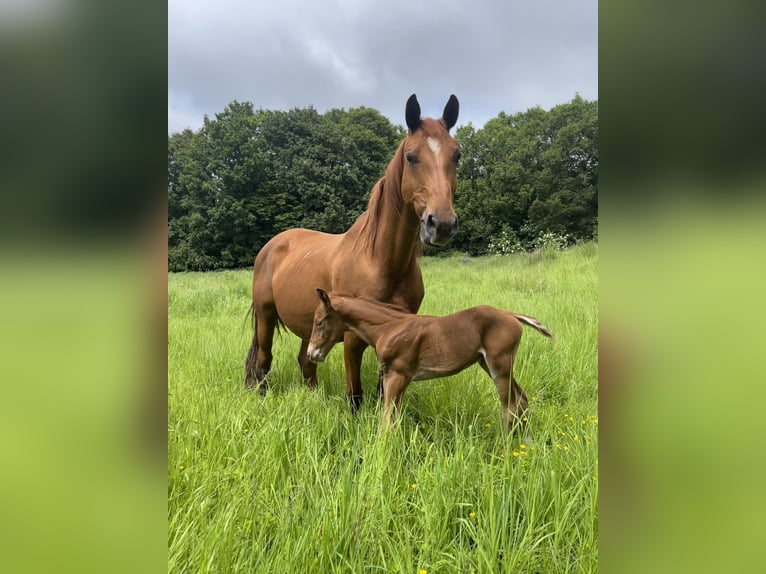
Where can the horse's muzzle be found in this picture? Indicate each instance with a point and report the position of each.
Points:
(437, 231)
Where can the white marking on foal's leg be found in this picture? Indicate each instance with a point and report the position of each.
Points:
(483, 352)
(434, 145)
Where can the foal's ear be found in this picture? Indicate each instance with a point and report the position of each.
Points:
(412, 113)
(451, 110)
(324, 298)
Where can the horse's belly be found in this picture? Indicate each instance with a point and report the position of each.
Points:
(296, 300)
(304, 267)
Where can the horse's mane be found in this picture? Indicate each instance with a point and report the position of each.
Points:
(387, 189)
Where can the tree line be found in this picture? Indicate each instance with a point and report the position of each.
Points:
(249, 174)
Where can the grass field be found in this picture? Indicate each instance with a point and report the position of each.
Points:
(293, 483)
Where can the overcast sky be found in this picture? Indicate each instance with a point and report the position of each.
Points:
(494, 55)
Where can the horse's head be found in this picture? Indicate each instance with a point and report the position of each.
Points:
(429, 173)
(328, 329)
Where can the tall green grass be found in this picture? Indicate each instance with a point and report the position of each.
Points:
(293, 482)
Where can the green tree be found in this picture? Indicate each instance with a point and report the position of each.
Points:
(247, 175)
(529, 173)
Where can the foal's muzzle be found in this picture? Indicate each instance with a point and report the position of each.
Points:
(437, 231)
(315, 354)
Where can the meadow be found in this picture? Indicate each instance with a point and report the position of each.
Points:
(292, 482)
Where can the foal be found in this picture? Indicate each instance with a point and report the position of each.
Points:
(420, 347)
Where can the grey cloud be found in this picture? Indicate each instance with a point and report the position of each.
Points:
(495, 56)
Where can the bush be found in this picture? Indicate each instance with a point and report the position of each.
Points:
(508, 243)
(505, 243)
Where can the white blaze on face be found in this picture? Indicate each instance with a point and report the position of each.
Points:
(434, 145)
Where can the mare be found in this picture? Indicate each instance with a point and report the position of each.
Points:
(420, 347)
(377, 257)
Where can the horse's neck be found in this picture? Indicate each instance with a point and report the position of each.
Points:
(368, 319)
(389, 230)
(398, 236)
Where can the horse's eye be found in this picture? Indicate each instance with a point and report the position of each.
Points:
(457, 155)
(411, 157)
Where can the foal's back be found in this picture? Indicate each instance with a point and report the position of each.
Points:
(427, 347)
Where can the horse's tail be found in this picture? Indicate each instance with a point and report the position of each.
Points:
(534, 323)
(252, 354)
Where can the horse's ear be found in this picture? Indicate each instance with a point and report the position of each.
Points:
(450, 112)
(412, 113)
(324, 298)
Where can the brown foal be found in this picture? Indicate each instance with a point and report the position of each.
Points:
(421, 347)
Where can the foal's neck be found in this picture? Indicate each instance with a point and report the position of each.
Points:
(368, 319)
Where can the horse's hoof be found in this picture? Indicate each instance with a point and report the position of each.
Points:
(355, 401)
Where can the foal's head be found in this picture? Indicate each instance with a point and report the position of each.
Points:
(327, 330)
(429, 173)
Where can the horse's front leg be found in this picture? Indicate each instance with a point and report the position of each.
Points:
(353, 350)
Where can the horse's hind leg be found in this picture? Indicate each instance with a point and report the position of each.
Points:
(259, 357)
(308, 368)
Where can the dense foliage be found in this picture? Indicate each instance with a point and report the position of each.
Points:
(249, 174)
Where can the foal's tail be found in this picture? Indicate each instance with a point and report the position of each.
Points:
(534, 323)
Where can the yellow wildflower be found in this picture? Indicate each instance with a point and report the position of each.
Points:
(414, 485)
(575, 438)
(421, 571)
(472, 515)
(522, 446)
(181, 467)
(515, 453)
(486, 426)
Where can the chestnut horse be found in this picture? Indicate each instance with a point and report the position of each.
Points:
(420, 347)
(377, 257)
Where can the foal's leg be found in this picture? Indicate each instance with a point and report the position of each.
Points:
(308, 368)
(353, 350)
(381, 374)
(394, 385)
(265, 324)
(518, 402)
(513, 401)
